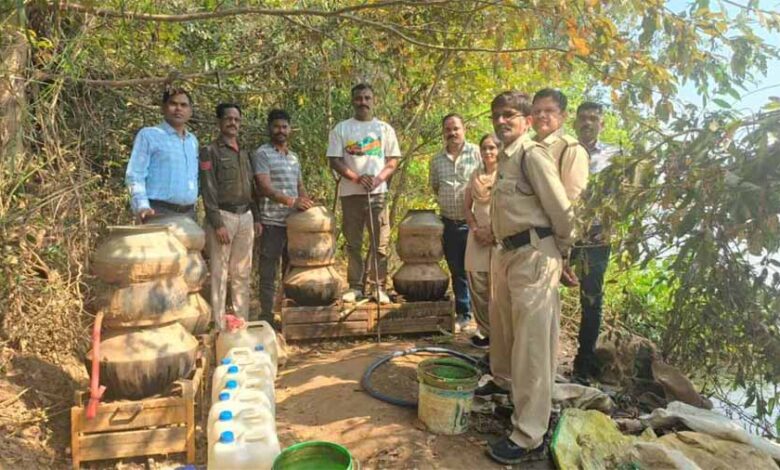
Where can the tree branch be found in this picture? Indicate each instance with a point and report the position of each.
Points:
(171, 77)
(750, 8)
(396, 32)
(211, 15)
(342, 13)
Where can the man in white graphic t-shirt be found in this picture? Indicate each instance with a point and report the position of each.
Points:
(365, 152)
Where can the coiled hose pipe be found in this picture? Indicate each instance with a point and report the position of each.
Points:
(366, 381)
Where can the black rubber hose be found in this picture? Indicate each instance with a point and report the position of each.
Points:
(366, 381)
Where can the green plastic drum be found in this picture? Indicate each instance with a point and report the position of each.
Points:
(315, 455)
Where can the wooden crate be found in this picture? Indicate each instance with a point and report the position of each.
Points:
(342, 320)
(131, 428)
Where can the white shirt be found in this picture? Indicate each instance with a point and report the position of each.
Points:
(364, 146)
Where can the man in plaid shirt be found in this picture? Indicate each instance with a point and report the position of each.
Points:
(450, 171)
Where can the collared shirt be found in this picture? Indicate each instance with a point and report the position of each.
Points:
(448, 178)
(225, 180)
(600, 159)
(285, 172)
(365, 146)
(571, 159)
(529, 194)
(601, 156)
(164, 166)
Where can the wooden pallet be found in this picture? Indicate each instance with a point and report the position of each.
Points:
(151, 426)
(342, 320)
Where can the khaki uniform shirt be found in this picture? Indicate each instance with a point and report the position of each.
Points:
(225, 180)
(571, 159)
(528, 193)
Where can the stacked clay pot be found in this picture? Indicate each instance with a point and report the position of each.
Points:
(420, 248)
(150, 309)
(311, 248)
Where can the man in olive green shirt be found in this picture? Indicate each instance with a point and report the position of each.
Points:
(232, 216)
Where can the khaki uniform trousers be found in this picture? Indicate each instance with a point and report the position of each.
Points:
(479, 287)
(231, 261)
(524, 322)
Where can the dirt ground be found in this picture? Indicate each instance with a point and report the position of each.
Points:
(35, 400)
(319, 397)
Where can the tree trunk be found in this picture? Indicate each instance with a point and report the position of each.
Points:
(15, 52)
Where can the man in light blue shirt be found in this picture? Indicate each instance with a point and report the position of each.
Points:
(162, 175)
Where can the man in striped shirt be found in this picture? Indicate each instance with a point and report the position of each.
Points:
(449, 174)
(278, 176)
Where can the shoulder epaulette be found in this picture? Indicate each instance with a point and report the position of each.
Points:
(570, 141)
(529, 144)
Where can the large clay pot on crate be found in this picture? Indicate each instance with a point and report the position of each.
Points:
(420, 247)
(193, 237)
(313, 286)
(310, 237)
(421, 281)
(141, 253)
(149, 313)
(311, 248)
(195, 315)
(186, 230)
(138, 363)
(141, 304)
(194, 271)
(420, 237)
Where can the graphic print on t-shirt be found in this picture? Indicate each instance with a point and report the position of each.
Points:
(369, 145)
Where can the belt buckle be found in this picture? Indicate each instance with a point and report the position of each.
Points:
(505, 244)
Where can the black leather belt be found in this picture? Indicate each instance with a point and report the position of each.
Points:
(235, 208)
(171, 206)
(523, 238)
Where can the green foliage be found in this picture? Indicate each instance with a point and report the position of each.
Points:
(689, 197)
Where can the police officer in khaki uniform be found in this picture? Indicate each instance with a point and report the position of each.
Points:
(232, 216)
(570, 157)
(532, 221)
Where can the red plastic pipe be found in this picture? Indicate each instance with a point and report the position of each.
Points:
(95, 389)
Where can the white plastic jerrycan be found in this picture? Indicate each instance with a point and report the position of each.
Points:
(249, 336)
(262, 385)
(223, 452)
(255, 449)
(223, 374)
(237, 400)
(240, 385)
(261, 445)
(225, 422)
(258, 355)
(247, 418)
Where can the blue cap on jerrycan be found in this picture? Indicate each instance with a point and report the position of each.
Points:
(225, 415)
(232, 370)
(259, 347)
(230, 384)
(225, 361)
(224, 396)
(227, 437)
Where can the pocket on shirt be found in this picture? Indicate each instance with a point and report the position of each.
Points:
(228, 169)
